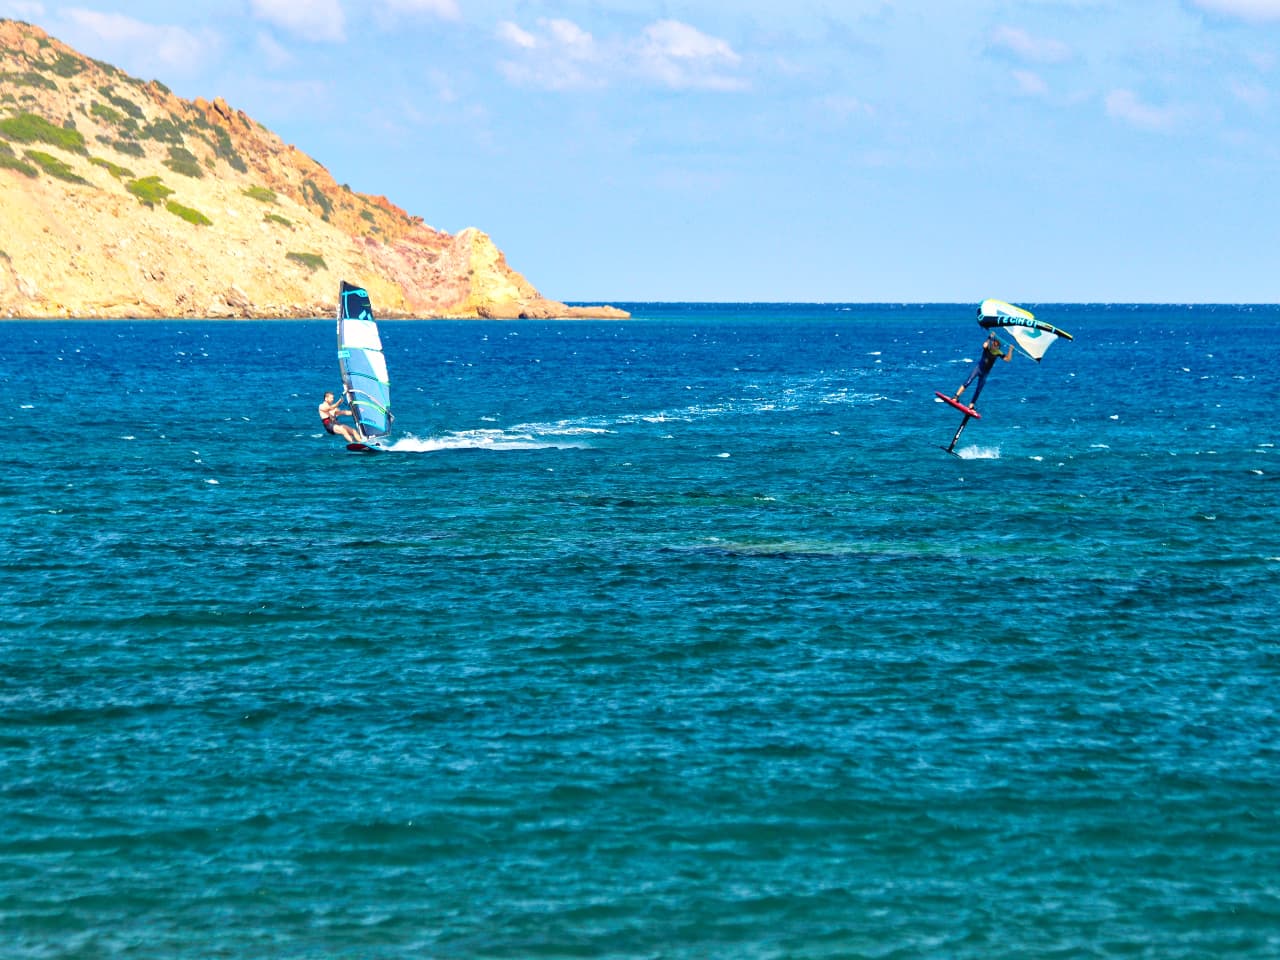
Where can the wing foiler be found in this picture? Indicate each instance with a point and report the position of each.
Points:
(1033, 337)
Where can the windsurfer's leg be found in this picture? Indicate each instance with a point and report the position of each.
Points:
(977, 392)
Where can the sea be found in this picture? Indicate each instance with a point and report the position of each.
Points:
(680, 636)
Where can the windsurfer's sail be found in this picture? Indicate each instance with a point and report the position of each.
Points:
(1032, 336)
(364, 368)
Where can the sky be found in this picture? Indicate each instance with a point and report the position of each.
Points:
(771, 150)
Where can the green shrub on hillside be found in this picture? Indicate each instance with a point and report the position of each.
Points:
(187, 214)
(225, 150)
(130, 147)
(183, 161)
(28, 79)
(109, 114)
(128, 106)
(312, 261)
(116, 171)
(10, 162)
(148, 190)
(54, 167)
(66, 65)
(276, 218)
(265, 194)
(164, 130)
(110, 70)
(311, 191)
(29, 128)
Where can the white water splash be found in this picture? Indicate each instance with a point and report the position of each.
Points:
(483, 440)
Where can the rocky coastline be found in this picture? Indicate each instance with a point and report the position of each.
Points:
(121, 200)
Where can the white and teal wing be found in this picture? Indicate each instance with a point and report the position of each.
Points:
(1033, 337)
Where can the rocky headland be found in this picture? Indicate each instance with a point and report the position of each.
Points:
(119, 199)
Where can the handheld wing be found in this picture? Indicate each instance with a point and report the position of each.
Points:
(1033, 337)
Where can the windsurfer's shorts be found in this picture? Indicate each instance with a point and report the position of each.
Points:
(328, 425)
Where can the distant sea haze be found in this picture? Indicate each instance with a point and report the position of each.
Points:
(676, 636)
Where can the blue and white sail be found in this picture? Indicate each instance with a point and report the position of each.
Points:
(363, 366)
(1033, 337)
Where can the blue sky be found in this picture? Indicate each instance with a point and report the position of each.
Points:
(832, 150)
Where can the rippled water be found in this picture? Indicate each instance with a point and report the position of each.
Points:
(674, 637)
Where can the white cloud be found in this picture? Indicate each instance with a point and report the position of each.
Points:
(558, 54)
(31, 12)
(515, 36)
(1127, 106)
(1030, 83)
(570, 40)
(316, 20)
(682, 57)
(273, 54)
(444, 9)
(1256, 10)
(1253, 95)
(1028, 48)
(142, 46)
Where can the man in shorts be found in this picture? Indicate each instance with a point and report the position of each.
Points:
(330, 411)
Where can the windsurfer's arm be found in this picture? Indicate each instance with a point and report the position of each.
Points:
(1008, 356)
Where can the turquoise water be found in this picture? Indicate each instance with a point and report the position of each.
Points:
(673, 637)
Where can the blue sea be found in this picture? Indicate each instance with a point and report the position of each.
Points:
(674, 637)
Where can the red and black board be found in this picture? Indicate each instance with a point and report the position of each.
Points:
(969, 414)
(967, 411)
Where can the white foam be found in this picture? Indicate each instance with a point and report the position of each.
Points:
(479, 440)
(978, 453)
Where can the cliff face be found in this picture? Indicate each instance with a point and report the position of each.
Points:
(118, 199)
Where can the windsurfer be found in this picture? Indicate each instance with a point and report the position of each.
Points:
(990, 354)
(330, 411)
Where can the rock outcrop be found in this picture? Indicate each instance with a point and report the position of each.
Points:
(119, 199)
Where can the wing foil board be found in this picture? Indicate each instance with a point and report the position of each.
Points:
(967, 411)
